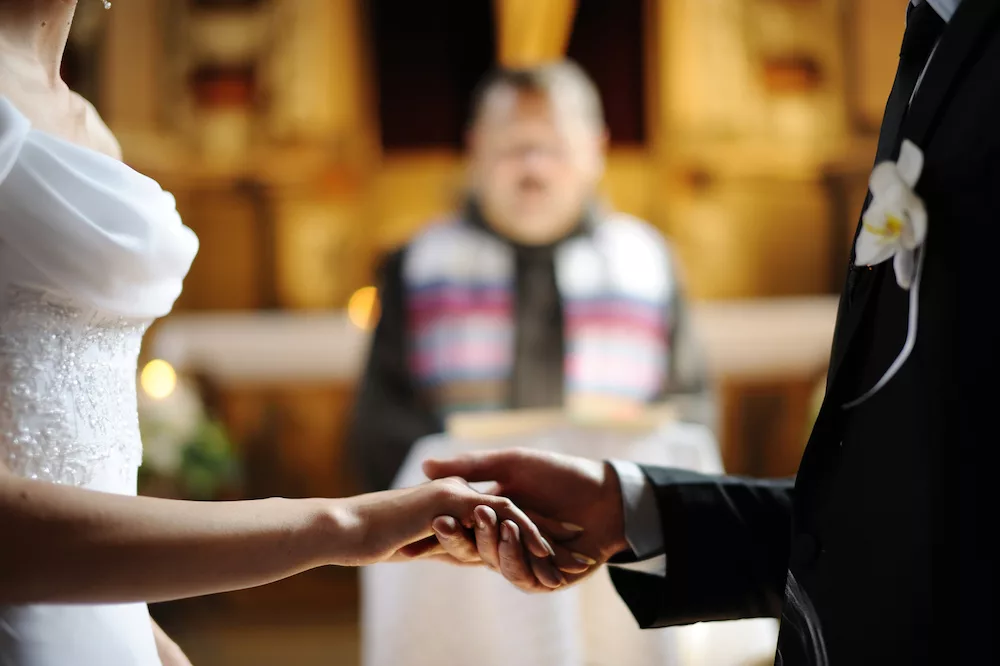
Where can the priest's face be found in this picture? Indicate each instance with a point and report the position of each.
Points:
(535, 164)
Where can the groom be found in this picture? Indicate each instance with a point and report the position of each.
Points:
(871, 545)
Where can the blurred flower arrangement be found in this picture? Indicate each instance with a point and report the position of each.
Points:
(186, 453)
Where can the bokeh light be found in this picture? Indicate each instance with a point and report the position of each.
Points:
(158, 379)
(363, 308)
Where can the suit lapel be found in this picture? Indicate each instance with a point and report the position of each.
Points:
(971, 23)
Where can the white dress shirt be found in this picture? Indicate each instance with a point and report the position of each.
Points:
(944, 8)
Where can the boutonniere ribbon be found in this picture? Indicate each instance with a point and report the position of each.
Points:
(894, 226)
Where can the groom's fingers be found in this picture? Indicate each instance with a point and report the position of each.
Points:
(557, 530)
(479, 466)
(565, 539)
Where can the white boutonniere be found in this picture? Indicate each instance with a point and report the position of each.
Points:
(895, 223)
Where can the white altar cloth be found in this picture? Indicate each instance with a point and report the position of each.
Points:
(434, 614)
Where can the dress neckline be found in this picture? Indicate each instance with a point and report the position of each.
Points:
(59, 139)
(87, 226)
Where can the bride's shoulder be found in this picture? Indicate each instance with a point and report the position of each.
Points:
(82, 125)
(14, 128)
(11, 118)
(100, 135)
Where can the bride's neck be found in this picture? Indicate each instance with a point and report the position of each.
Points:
(35, 32)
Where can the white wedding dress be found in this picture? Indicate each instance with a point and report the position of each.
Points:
(90, 253)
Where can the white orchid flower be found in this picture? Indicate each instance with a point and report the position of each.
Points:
(895, 223)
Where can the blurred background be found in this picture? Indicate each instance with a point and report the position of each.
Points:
(305, 139)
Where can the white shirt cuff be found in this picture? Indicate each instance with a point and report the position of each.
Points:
(643, 529)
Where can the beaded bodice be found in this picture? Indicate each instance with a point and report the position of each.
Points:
(68, 391)
(90, 253)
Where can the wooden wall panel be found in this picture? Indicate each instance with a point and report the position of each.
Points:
(752, 236)
(765, 426)
(233, 269)
(875, 30)
(291, 437)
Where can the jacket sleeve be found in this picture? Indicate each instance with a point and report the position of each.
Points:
(390, 413)
(726, 540)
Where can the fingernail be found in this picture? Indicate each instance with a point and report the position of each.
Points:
(555, 576)
(481, 516)
(446, 525)
(505, 532)
(583, 559)
(572, 527)
(544, 551)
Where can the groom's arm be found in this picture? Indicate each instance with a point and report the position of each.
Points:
(725, 542)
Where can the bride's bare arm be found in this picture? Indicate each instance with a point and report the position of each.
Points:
(64, 544)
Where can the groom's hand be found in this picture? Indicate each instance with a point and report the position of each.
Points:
(576, 500)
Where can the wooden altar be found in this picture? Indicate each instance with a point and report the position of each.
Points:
(284, 384)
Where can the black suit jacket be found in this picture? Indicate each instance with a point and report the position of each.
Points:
(877, 552)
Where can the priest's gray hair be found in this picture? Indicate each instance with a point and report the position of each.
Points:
(563, 82)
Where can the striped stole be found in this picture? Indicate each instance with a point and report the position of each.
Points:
(616, 284)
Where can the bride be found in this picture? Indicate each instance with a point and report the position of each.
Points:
(90, 253)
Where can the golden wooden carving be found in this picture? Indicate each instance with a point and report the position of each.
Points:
(532, 31)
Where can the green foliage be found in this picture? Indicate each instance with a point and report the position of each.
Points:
(209, 463)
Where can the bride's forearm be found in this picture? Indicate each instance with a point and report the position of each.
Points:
(63, 544)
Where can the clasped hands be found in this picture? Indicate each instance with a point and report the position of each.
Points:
(574, 504)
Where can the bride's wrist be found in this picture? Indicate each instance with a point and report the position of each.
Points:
(337, 533)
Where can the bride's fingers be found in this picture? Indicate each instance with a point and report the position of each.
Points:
(436, 554)
(504, 508)
(448, 559)
(539, 575)
(490, 489)
(488, 536)
(529, 533)
(421, 548)
(493, 489)
(455, 541)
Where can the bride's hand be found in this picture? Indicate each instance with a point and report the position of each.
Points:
(396, 524)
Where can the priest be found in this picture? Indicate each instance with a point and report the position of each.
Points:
(533, 294)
